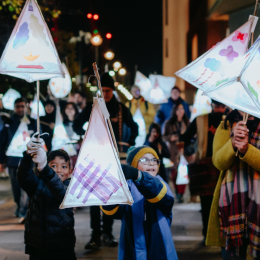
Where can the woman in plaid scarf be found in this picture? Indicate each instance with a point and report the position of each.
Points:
(235, 212)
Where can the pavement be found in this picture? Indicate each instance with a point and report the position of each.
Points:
(186, 231)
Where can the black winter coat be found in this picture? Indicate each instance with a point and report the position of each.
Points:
(130, 128)
(46, 227)
(6, 135)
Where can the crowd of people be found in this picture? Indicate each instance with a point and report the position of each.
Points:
(228, 201)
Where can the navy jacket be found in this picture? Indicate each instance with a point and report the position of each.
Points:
(145, 231)
(46, 226)
(165, 110)
(10, 127)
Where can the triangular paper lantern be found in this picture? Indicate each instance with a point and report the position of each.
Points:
(156, 89)
(19, 140)
(60, 138)
(240, 88)
(139, 119)
(30, 53)
(61, 87)
(97, 178)
(33, 107)
(201, 106)
(9, 97)
(164, 83)
(209, 68)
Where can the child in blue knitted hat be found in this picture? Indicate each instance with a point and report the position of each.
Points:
(145, 231)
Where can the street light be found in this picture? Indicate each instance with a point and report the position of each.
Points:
(109, 55)
(122, 71)
(111, 73)
(117, 65)
(96, 40)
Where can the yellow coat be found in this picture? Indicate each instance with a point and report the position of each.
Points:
(223, 158)
(148, 114)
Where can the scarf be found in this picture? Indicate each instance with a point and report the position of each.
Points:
(239, 203)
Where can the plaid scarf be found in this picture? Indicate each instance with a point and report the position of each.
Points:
(239, 203)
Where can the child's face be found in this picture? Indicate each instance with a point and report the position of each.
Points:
(148, 163)
(61, 167)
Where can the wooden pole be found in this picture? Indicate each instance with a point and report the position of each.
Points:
(255, 13)
(38, 102)
(101, 92)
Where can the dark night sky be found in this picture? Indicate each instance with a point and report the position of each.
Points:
(136, 27)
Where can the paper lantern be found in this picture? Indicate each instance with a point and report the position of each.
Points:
(97, 178)
(240, 87)
(182, 175)
(61, 87)
(60, 138)
(30, 53)
(19, 140)
(9, 97)
(33, 107)
(213, 65)
(139, 119)
(201, 106)
(156, 89)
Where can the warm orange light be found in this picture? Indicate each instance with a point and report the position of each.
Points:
(108, 35)
(95, 16)
(89, 16)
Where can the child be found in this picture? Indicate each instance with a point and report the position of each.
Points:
(145, 232)
(49, 231)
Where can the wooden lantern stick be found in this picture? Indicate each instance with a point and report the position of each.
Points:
(38, 105)
(108, 119)
(245, 116)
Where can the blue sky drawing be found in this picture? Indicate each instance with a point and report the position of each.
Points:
(22, 36)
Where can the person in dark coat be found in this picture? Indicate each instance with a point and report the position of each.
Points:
(164, 111)
(154, 140)
(48, 122)
(49, 231)
(9, 130)
(125, 130)
(145, 231)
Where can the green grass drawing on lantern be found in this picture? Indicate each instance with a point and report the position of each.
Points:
(252, 90)
(222, 81)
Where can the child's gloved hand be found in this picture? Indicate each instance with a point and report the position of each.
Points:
(130, 172)
(34, 144)
(40, 158)
(34, 148)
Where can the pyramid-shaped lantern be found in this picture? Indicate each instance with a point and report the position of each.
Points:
(97, 178)
(201, 106)
(61, 87)
(30, 53)
(209, 68)
(240, 88)
(60, 138)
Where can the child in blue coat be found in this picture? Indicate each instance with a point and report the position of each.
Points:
(145, 232)
(49, 231)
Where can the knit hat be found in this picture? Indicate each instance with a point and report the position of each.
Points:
(134, 154)
(107, 81)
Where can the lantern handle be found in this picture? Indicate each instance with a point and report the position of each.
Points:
(108, 119)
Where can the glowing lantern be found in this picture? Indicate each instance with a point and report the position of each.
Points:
(97, 178)
(156, 89)
(139, 119)
(61, 87)
(33, 107)
(30, 53)
(209, 68)
(182, 175)
(9, 97)
(60, 138)
(19, 140)
(201, 106)
(239, 88)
